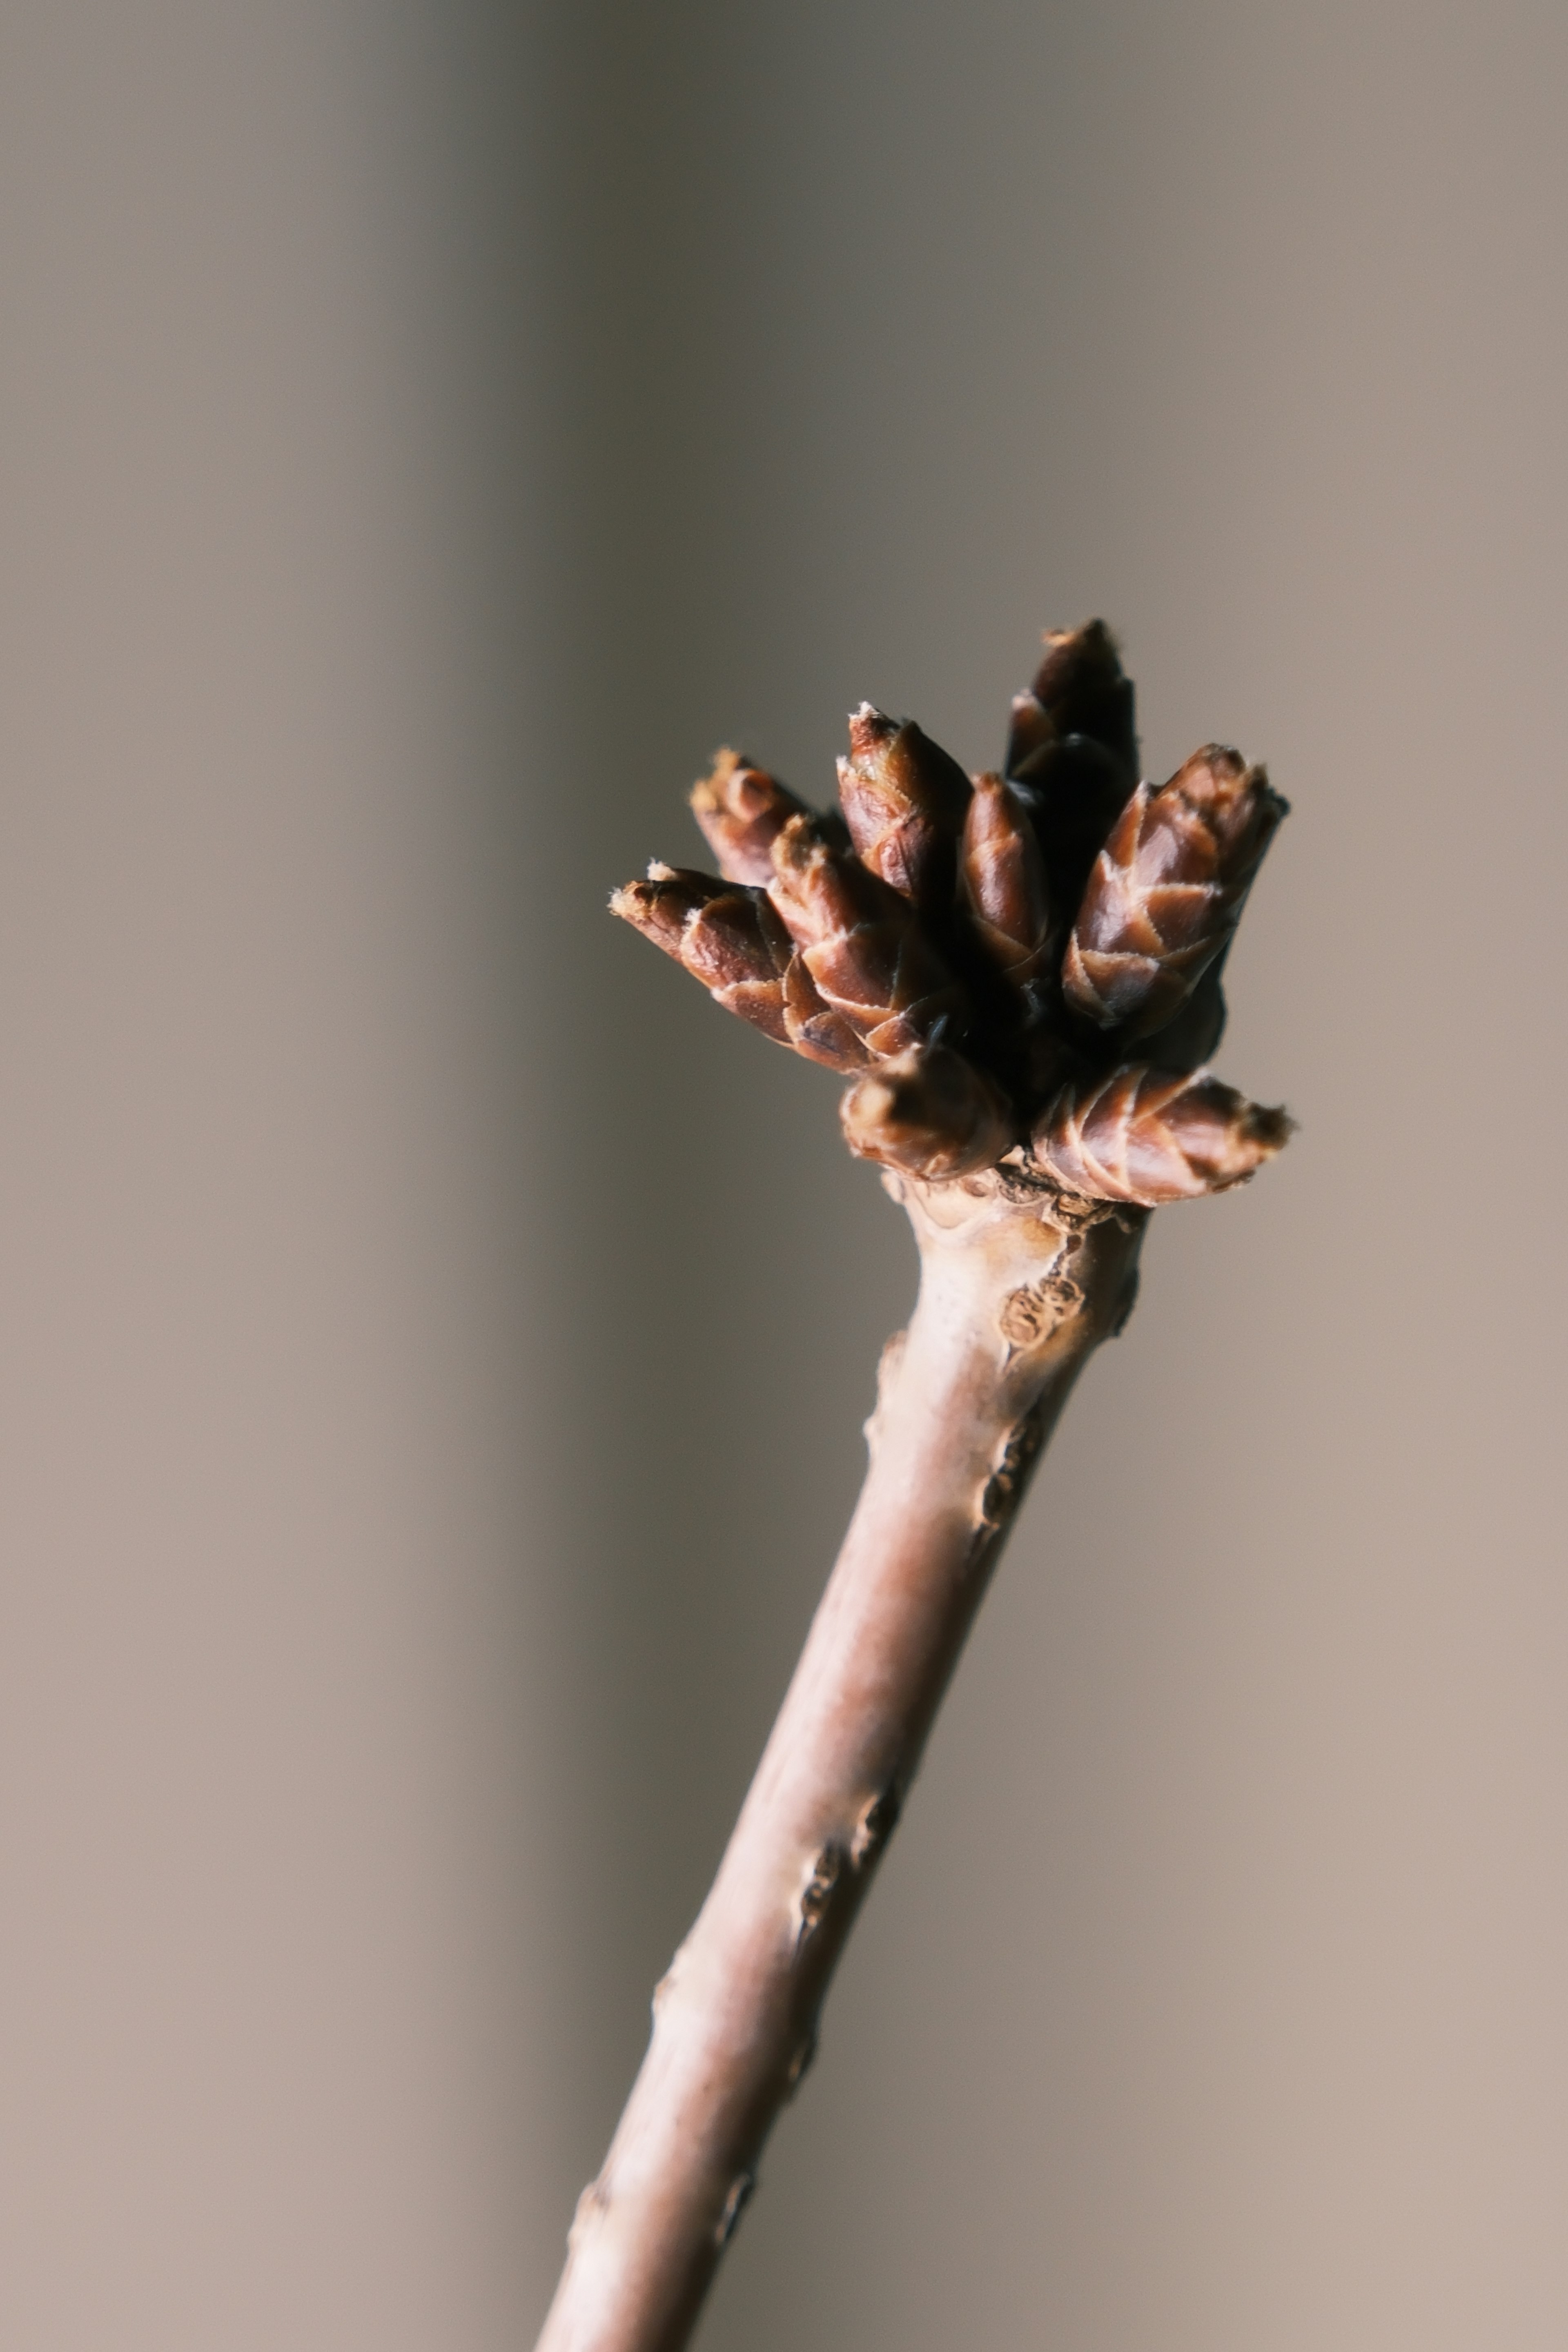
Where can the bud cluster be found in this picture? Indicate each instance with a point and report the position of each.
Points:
(1022, 965)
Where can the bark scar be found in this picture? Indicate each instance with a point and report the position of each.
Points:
(742, 2189)
(1003, 1488)
(875, 1827)
(1031, 1312)
(818, 1894)
(800, 2064)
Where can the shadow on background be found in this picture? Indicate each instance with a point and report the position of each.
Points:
(436, 1339)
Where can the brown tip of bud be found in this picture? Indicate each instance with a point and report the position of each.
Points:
(741, 810)
(898, 757)
(1082, 684)
(728, 937)
(904, 801)
(818, 886)
(659, 908)
(1212, 776)
(1148, 1136)
(871, 731)
(1237, 803)
(1264, 1131)
(929, 1113)
(1079, 689)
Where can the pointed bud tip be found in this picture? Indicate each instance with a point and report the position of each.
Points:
(1215, 768)
(1096, 638)
(632, 899)
(870, 729)
(1088, 653)
(652, 908)
(1232, 798)
(710, 793)
(1247, 1134)
(660, 906)
(794, 844)
(1267, 1128)
(1217, 774)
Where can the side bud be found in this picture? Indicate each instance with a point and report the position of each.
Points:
(661, 906)
(730, 938)
(1002, 881)
(1148, 1137)
(741, 810)
(904, 801)
(929, 1113)
(1166, 891)
(859, 941)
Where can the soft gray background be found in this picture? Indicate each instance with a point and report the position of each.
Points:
(434, 1339)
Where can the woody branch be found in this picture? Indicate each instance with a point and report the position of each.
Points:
(982, 955)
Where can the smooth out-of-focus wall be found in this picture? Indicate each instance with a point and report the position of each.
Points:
(283, 1722)
(433, 1340)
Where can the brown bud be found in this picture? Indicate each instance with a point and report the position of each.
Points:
(1152, 1135)
(660, 906)
(929, 1112)
(903, 799)
(741, 810)
(1166, 891)
(740, 950)
(1003, 879)
(1073, 751)
(730, 938)
(1079, 689)
(859, 941)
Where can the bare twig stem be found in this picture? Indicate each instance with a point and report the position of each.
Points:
(1018, 1283)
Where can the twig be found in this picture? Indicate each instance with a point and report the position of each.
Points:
(1029, 1259)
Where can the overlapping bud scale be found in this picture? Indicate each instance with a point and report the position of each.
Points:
(904, 802)
(986, 956)
(860, 942)
(726, 936)
(1166, 891)
(1148, 1137)
(733, 939)
(1004, 882)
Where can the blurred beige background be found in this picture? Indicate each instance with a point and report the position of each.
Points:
(433, 1340)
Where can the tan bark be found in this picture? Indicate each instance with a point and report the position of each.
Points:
(1018, 1283)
